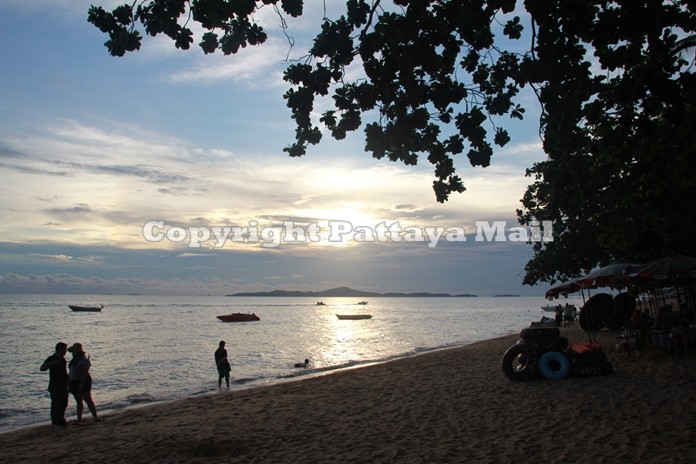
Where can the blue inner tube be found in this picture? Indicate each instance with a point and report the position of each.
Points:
(554, 365)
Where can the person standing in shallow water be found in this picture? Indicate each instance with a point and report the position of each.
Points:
(223, 365)
(81, 381)
(57, 384)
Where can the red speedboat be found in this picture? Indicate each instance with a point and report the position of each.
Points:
(239, 317)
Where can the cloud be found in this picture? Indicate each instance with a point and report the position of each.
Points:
(33, 170)
(196, 255)
(77, 210)
(147, 173)
(259, 66)
(7, 151)
(56, 257)
(119, 166)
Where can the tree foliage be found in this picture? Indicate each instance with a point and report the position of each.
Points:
(413, 100)
(617, 127)
(615, 88)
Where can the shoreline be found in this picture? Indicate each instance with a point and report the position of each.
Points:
(243, 384)
(448, 405)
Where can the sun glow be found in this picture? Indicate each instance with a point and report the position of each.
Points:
(351, 217)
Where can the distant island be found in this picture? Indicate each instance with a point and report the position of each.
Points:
(346, 292)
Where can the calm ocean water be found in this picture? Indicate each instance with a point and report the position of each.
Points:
(157, 348)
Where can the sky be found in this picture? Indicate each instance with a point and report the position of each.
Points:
(109, 166)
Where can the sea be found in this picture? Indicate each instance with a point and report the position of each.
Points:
(148, 349)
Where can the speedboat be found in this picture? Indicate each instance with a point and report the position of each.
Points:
(86, 308)
(321, 303)
(354, 316)
(239, 317)
(362, 302)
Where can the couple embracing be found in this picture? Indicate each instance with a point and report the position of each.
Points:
(75, 380)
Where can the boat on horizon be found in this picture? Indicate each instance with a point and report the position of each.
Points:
(362, 302)
(239, 317)
(86, 308)
(353, 316)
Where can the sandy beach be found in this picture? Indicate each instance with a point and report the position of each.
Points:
(447, 406)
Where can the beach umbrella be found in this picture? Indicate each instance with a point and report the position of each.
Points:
(564, 288)
(597, 312)
(625, 305)
(612, 275)
(663, 269)
(676, 270)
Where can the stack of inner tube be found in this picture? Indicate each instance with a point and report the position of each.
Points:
(539, 351)
(542, 352)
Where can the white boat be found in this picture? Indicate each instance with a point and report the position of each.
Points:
(549, 308)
